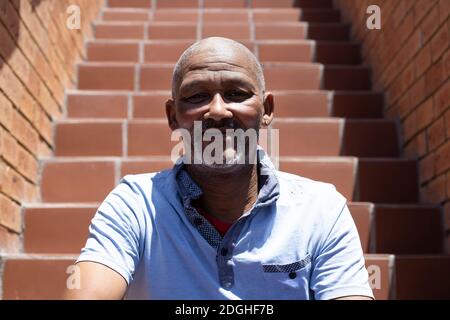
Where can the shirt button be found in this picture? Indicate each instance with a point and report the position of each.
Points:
(292, 275)
(198, 221)
(224, 251)
(227, 285)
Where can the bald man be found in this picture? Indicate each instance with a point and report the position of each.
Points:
(231, 228)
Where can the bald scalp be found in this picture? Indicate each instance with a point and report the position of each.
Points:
(217, 44)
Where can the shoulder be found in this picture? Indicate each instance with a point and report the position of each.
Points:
(314, 202)
(306, 187)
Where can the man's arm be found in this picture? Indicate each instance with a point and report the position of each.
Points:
(97, 282)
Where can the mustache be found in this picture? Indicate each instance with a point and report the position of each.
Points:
(220, 125)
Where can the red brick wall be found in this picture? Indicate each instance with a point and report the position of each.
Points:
(410, 59)
(37, 62)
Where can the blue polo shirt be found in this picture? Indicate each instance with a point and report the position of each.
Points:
(298, 241)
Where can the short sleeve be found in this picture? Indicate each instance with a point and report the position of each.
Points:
(114, 236)
(339, 266)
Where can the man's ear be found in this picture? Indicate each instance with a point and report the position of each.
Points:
(268, 109)
(171, 114)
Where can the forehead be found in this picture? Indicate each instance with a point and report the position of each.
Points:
(219, 64)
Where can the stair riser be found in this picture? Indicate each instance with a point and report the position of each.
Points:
(91, 181)
(147, 138)
(287, 105)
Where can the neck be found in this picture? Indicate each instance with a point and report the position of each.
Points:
(226, 196)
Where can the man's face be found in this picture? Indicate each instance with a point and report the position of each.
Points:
(220, 88)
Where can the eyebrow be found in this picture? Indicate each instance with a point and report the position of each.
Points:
(237, 81)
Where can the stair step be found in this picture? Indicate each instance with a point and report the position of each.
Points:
(335, 137)
(221, 3)
(44, 276)
(89, 179)
(388, 181)
(130, 3)
(320, 137)
(290, 3)
(346, 78)
(125, 14)
(168, 51)
(408, 229)
(77, 180)
(296, 104)
(361, 179)
(63, 227)
(176, 15)
(422, 277)
(329, 31)
(337, 53)
(259, 15)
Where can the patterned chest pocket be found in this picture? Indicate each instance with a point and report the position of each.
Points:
(289, 280)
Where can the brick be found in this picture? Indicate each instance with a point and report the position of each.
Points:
(426, 167)
(10, 216)
(15, 186)
(27, 164)
(9, 147)
(44, 150)
(423, 60)
(16, 92)
(443, 158)
(444, 10)
(6, 110)
(24, 132)
(429, 25)
(9, 241)
(417, 92)
(44, 125)
(435, 191)
(440, 42)
(447, 123)
(421, 9)
(410, 126)
(425, 114)
(442, 99)
(434, 77)
(436, 134)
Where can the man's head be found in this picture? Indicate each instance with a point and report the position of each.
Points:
(219, 82)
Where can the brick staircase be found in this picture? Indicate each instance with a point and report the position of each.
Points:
(331, 129)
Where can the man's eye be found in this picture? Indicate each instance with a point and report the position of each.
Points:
(197, 98)
(237, 95)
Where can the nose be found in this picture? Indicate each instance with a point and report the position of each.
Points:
(217, 109)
